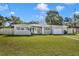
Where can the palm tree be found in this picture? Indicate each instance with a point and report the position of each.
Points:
(53, 18)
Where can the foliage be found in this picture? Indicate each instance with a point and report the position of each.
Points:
(1, 20)
(53, 18)
(31, 22)
(16, 20)
(67, 19)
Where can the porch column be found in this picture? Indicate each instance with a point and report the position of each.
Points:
(42, 30)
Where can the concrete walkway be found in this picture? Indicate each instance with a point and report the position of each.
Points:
(72, 37)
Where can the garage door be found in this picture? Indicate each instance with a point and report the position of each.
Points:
(58, 31)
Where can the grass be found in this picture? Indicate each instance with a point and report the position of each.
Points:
(38, 45)
(76, 37)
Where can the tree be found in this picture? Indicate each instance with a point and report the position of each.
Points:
(16, 20)
(53, 18)
(8, 19)
(76, 18)
(1, 21)
(33, 22)
(13, 20)
(68, 21)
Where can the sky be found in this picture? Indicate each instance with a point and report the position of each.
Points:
(37, 11)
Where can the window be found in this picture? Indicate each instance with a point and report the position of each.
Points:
(18, 28)
(47, 28)
(22, 28)
(27, 28)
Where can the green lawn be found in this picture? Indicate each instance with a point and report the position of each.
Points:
(36, 45)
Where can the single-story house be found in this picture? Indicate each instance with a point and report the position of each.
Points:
(30, 29)
(77, 27)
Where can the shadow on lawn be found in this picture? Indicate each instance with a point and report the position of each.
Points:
(39, 35)
(16, 36)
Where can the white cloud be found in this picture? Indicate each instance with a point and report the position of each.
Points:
(70, 16)
(59, 8)
(76, 12)
(12, 13)
(42, 7)
(5, 7)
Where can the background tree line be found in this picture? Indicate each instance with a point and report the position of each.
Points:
(52, 18)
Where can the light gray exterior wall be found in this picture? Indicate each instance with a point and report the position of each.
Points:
(71, 30)
(40, 29)
(58, 29)
(77, 29)
(21, 30)
(6, 31)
